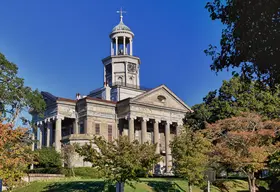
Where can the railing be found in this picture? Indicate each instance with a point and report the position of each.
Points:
(122, 84)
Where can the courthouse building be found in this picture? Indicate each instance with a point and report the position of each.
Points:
(120, 107)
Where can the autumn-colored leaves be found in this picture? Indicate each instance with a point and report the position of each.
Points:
(244, 142)
(15, 155)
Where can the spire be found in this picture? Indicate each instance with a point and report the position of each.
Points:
(121, 14)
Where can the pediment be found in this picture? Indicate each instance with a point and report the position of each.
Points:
(163, 97)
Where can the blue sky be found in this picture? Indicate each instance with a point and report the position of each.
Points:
(58, 44)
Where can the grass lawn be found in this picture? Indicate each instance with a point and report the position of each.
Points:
(89, 185)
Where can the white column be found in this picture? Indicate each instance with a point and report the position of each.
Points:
(112, 48)
(130, 43)
(58, 123)
(48, 139)
(40, 127)
(131, 129)
(156, 134)
(144, 130)
(33, 147)
(167, 148)
(51, 134)
(75, 127)
(124, 48)
(117, 46)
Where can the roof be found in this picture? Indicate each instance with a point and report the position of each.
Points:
(101, 100)
(121, 27)
(65, 99)
(54, 98)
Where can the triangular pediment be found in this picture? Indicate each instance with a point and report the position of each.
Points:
(163, 97)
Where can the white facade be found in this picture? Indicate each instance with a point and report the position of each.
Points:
(120, 107)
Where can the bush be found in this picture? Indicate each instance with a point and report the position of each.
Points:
(87, 172)
(49, 170)
(48, 157)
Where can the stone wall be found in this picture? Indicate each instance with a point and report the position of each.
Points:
(39, 177)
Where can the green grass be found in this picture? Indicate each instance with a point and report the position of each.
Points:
(97, 185)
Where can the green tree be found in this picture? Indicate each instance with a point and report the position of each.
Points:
(15, 96)
(48, 159)
(190, 153)
(120, 160)
(15, 154)
(250, 38)
(232, 98)
(244, 143)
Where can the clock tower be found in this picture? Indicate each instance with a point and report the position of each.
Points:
(121, 68)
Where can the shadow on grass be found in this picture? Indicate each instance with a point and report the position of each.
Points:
(164, 186)
(85, 186)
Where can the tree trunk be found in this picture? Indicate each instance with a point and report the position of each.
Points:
(73, 173)
(252, 182)
(190, 187)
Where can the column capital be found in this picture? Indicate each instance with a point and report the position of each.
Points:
(169, 122)
(157, 120)
(145, 119)
(128, 117)
(165, 122)
(59, 117)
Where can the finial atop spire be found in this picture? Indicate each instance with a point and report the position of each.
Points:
(121, 14)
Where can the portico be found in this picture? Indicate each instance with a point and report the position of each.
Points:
(154, 131)
(150, 118)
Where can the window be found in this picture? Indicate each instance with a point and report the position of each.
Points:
(161, 98)
(110, 133)
(82, 128)
(97, 129)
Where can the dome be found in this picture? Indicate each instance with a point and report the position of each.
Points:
(121, 27)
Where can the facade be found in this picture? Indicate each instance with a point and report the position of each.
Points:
(120, 107)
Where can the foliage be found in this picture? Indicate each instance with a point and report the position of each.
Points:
(233, 97)
(14, 95)
(244, 143)
(48, 157)
(47, 170)
(250, 38)
(231, 185)
(121, 159)
(274, 162)
(15, 154)
(190, 153)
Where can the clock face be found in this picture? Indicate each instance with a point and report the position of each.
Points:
(131, 67)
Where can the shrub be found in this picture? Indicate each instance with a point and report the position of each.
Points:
(48, 157)
(49, 170)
